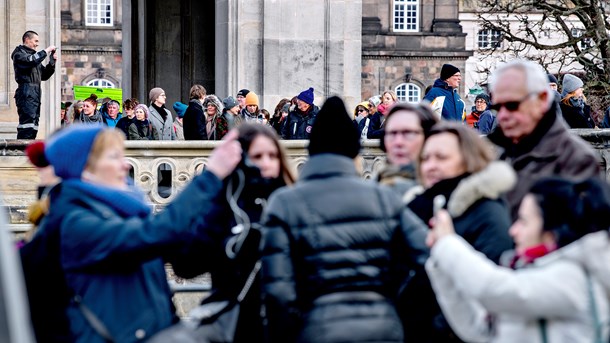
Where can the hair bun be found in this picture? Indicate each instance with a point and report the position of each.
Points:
(35, 153)
(93, 96)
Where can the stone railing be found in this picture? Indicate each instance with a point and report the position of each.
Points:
(19, 180)
(178, 161)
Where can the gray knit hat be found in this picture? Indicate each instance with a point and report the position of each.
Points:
(569, 84)
(154, 94)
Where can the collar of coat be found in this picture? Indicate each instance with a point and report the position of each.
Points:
(497, 178)
(327, 165)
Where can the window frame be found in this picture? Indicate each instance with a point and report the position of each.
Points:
(488, 42)
(100, 80)
(97, 19)
(405, 11)
(403, 91)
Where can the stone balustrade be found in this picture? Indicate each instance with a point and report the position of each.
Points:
(185, 159)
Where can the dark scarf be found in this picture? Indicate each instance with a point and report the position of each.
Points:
(127, 203)
(423, 204)
(161, 110)
(144, 128)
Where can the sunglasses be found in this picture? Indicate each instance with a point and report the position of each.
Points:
(510, 106)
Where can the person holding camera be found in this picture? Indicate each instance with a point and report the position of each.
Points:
(29, 72)
(233, 259)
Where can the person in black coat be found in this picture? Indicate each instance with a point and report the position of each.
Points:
(573, 104)
(194, 117)
(265, 170)
(457, 164)
(333, 259)
(299, 122)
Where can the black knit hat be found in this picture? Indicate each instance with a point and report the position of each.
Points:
(552, 78)
(448, 71)
(333, 131)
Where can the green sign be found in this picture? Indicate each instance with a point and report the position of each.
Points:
(83, 92)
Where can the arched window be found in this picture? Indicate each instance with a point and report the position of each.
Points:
(405, 16)
(102, 83)
(408, 92)
(99, 12)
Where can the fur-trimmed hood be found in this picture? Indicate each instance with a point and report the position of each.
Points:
(497, 178)
(215, 101)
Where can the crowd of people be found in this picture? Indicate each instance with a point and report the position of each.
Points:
(461, 237)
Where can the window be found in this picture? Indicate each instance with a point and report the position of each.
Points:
(585, 43)
(405, 15)
(408, 92)
(99, 12)
(489, 39)
(102, 83)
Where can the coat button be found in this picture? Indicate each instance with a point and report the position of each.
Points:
(140, 333)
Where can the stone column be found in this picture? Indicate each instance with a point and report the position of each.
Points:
(446, 17)
(280, 49)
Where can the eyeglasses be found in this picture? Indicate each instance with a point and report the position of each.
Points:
(407, 133)
(480, 102)
(362, 110)
(510, 106)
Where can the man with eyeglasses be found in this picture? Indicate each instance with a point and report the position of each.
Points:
(444, 97)
(536, 141)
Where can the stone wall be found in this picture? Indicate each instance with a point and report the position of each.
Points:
(19, 179)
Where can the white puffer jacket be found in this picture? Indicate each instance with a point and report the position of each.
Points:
(487, 303)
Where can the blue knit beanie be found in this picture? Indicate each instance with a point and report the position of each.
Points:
(68, 150)
(306, 96)
(180, 108)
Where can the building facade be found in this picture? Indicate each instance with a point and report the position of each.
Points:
(91, 40)
(406, 42)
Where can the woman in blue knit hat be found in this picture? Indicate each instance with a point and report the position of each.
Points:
(299, 122)
(112, 249)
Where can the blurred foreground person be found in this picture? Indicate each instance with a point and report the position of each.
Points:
(332, 258)
(547, 292)
(245, 192)
(100, 249)
(457, 164)
(406, 127)
(533, 137)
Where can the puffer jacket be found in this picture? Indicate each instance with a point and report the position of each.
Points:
(298, 125)
(481, 218)
(333, 259)
(447, 100)
(497, 304)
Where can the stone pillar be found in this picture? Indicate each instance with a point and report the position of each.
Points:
(281, 49)
(446, 17)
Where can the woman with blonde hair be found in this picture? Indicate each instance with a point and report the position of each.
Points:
(104, 243)
(457, 165)
(388, 99)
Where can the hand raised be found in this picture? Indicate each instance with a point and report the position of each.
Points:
(225, 156)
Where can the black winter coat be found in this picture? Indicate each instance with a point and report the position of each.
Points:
(334, 251)
(481, 221)
(194, 122)
(229, 275)
(297, 125)
(376, 126)
(577, 117)
(28, 65)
